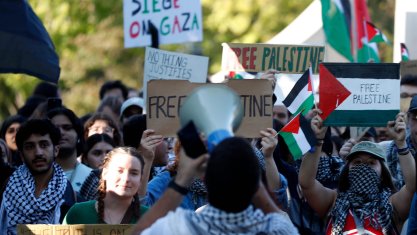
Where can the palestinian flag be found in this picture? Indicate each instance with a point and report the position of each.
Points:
(300, 98)
(336, 25)
(359, 94)
(404, 53)
(241, 75)
(298, 136)
(374, 34)
(364, 50)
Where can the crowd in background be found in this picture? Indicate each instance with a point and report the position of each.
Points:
(108, 167)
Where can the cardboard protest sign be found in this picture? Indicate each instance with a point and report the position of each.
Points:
(160, 64)
(260, 57)
(373, 93)
(177, 21)
(166, 96)
(78, 229)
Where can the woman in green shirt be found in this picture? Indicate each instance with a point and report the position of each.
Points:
(118, 201)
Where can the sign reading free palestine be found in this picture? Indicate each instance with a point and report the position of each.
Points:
(372, 91)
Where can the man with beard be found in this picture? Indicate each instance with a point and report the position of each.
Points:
(70, 145)
(37, 192)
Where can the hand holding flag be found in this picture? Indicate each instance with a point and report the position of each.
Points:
(317, 125)
(298, 136)
(269, 141)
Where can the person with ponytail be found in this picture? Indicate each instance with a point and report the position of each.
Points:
(366, 200)
(118, 201)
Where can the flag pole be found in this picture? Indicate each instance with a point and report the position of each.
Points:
(366, 38)
(310, 78)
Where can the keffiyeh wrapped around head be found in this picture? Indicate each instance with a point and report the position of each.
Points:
(365, 199)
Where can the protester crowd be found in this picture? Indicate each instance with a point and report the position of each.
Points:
(107, 167)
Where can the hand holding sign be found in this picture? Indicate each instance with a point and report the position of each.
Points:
(397, 130)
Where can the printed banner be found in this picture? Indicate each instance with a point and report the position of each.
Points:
(177, 21)
(166, 96)
(260, 57)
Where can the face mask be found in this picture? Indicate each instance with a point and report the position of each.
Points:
(363, 180)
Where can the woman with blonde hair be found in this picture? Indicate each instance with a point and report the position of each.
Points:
(118, 201)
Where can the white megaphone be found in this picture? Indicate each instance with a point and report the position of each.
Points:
(215, 110)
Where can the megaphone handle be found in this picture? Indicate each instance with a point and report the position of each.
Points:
(216, 137)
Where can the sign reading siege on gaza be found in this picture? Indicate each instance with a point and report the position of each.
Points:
(177, 21)
(260, 57)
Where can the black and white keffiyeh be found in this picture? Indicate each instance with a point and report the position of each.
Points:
(21, 204)
(365, 199)
(198, 187)
(250, 221)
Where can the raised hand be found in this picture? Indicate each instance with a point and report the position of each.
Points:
(397, 130)
(148, 144)
(269, 141)
(347, 146)
(270, 75)
(317, 124)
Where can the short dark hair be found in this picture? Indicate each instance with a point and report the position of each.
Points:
(232, 176)
(115, 84)
(94, 139)
(117, 137)
(37, 126)
(409, 80)
(75, 121)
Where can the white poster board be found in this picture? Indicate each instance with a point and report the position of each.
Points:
(166, 65)
(177, 21)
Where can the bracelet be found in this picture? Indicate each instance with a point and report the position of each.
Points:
(320, 141)
(403, 151)
(179, 189)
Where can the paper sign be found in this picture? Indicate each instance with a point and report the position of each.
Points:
(374, 93)
(77, 229)
(261, 57)
(160, 64)
(166, 96)
(177, 21)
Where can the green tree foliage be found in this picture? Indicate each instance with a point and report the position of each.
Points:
(88, 35)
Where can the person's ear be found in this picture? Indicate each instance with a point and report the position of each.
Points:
(21, 156)
(104, 173)
(56, 150)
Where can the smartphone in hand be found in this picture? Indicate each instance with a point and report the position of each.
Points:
(191, 141)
